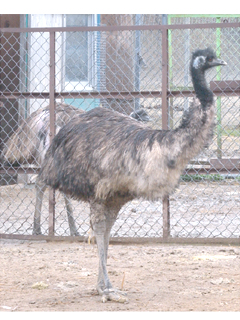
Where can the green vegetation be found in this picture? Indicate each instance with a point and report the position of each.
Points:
(203, 177)
(235, 132)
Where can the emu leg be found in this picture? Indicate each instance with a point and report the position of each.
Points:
(71, 221)
(102, 230)
(40, 189)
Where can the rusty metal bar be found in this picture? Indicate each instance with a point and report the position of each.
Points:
(124, 28)
(212, 166)
(166, 203)
(229, 91)
(230, 86)
(18, 170)
(52, 126)
(192, 171)
(127, 240)
(84, 95)
(164, 80)
(227, 164)
(166, 218)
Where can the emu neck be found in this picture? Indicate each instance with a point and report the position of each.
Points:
(203, 93)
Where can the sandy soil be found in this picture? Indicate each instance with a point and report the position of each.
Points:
(61, 276)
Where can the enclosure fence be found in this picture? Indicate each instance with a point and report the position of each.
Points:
(125, 68)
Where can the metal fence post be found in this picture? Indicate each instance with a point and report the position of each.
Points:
(166, 209)
(52, 126)
(137, 60)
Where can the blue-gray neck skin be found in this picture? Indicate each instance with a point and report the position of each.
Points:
(203, 92)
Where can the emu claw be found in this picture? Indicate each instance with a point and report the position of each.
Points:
(114, 295)
(74, 233)
(36, 232)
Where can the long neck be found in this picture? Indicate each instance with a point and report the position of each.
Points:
(197, 123)
(203, 93)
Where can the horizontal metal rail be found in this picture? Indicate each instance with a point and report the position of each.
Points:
(211, 166)
(113, 95)
(219, 88)
(124, 28)
(85, 95)
(128, 240)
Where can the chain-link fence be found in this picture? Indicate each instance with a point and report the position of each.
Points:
(126, 63)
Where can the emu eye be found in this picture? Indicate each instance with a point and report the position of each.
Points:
(210, 59)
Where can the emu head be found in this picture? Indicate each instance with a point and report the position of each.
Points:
(140, 115)
(205, 59)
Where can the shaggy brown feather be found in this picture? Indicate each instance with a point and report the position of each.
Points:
(29, 142)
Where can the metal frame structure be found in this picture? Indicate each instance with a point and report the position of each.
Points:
(231, 88)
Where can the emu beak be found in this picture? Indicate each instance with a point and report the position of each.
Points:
(218, 62)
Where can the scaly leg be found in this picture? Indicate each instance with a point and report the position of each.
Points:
(71, 221)
(102, 220)
(40, 189)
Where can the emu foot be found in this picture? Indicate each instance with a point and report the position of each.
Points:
(36, 232)
(74, 233)
(36, 227)
(114, 295)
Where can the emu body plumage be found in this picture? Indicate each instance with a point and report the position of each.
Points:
(103, 154)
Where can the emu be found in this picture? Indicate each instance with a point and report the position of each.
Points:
(29, 143)
(107, 159)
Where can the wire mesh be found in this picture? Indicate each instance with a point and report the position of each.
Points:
(126, 63)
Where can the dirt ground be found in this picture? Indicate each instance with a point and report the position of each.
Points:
(61, 276)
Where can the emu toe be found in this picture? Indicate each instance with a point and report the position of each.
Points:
(74, 233)
(37, 232)
(114, 295)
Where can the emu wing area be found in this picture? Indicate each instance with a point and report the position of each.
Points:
(98, 154)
